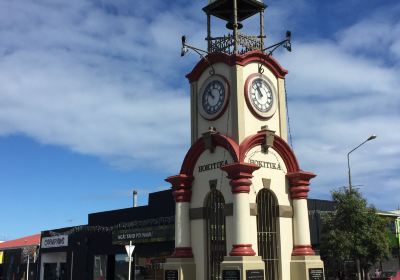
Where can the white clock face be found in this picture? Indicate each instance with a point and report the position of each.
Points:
(261, 95)
(213, 97)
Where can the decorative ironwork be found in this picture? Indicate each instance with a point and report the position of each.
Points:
(267, 232)
(160, 221)
(226, 43)
(216, 233)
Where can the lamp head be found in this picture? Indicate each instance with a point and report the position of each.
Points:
(372, 137)
(288, 43)
(184, 49)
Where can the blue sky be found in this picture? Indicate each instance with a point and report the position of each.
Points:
(94, 103)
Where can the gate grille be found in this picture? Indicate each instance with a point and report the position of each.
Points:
(267, 234)
(216, 241)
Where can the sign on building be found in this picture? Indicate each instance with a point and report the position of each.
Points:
(55, 241)
(160, 233)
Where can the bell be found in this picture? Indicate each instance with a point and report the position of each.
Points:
(229, 25)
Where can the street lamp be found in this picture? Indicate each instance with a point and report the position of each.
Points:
(372, 137)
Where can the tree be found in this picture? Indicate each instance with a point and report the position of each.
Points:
(353, 232)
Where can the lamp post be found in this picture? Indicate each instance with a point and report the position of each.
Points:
(372, 137)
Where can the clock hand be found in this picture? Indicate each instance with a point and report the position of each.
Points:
(259, 92)
(212, 95)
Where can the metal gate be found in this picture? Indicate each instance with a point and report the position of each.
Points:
(216, 238)
(267, 234)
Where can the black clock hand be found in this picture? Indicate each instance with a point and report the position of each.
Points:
(259, 92)
(212, 95)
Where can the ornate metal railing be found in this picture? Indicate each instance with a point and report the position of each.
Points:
(226, 43)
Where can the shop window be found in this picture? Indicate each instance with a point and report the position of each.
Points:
(122, 267)
(100, 267)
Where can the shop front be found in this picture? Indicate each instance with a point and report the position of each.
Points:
(1, 264)
(153, 244)
(18, 258)
(54, 264)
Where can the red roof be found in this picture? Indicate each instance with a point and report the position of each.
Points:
(32, 240)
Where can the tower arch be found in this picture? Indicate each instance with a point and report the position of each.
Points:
(279, 145)
(199, 147)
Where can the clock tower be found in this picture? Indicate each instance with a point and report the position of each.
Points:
(241, 197)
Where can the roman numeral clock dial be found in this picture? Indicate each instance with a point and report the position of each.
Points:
(213, 97)
(260, 96)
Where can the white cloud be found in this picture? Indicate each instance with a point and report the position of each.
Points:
(341, 91)
(97, 82)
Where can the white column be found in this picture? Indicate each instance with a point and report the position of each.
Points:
(299, 188)
(182, 225)
(181, 185)
(240, 175)
(301, 229)
(241, 216)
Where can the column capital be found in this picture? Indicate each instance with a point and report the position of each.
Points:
(181, 186)
(299, 183)
(240, 175)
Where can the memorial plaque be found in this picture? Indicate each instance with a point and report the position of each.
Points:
(171, 275)
(231, 275)
(257, 274)
(316, 274)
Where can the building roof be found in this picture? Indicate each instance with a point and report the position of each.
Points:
(388, 213)
(161, 204)
(32, 240)
(397, 212)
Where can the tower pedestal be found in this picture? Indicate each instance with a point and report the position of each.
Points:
(180, 268)
(232, 267)
(306, 268)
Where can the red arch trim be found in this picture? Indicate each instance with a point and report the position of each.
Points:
(198, 148)
(237, 59)
(279, 145)
(237, 152)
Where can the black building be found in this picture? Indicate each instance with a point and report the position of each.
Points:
(316, 209)
(96, 251)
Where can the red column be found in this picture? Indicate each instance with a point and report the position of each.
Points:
(181, 185)
(240, 175)
(299, 187)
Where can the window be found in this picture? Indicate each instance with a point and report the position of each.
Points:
(100, 267)
(267, 232)
(215, 228)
